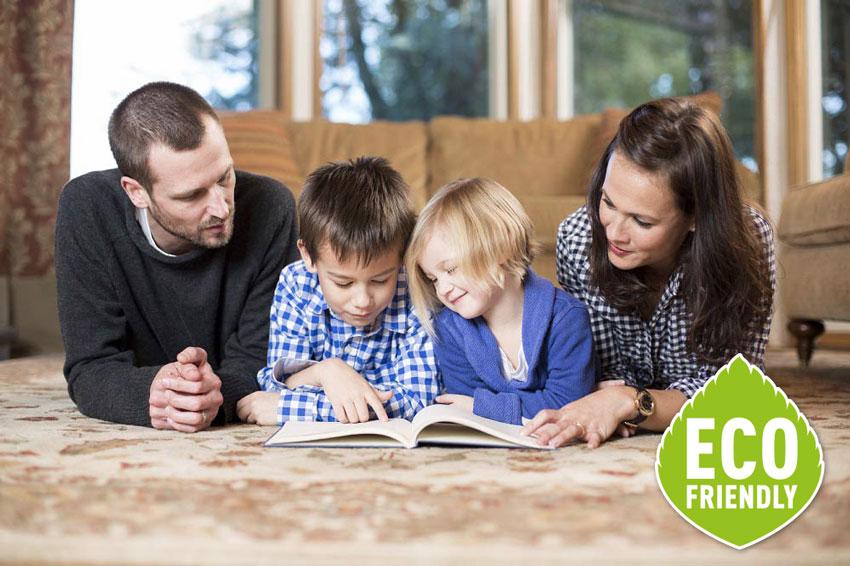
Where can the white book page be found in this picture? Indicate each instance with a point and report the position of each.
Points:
(475, 430)
(376, 431)
(355, 441)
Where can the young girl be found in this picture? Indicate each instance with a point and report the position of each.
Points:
(508, 343)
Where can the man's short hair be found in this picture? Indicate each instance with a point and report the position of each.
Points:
(158, 112)
(359, 208)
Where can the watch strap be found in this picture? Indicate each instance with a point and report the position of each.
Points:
(642, 413)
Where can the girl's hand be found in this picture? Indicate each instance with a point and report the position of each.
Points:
(593, 418)
(460, 401)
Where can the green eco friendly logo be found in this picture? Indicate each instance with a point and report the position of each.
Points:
(739, 461)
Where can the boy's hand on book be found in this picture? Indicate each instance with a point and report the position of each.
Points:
(460, 401)
(259, 408)
(350, 394)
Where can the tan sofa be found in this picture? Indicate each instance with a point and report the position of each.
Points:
(814, 255)
(545, 163)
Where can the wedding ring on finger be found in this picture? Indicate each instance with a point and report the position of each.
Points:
(580, 426)
(204, 415)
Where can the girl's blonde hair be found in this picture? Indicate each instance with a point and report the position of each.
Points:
(488, 228)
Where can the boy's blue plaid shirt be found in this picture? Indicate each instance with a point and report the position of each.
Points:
(394, 354)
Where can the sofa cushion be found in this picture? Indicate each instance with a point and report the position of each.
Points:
(547, 212)
(815, 282)
(259, 143)
(536, 158)
(817, 213)
(404, 144)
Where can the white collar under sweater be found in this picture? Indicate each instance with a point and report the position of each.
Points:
(142, 219)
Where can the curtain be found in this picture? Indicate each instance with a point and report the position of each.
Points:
(35, 114)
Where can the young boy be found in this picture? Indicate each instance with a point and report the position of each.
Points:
(344, 343)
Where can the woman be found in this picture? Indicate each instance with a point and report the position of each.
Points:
(677, 273)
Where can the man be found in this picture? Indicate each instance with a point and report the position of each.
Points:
(166, 268)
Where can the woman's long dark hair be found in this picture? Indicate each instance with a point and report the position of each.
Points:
(725, 279)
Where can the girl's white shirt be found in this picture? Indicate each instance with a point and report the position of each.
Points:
(511, 373)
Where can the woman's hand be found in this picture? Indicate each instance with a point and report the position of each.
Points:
(622, 429)
(593, 418)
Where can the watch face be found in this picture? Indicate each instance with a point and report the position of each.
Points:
(646, 404)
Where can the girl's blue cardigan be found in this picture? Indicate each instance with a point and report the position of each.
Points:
(558, 346)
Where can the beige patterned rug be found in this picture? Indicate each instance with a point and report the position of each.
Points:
(77, 490)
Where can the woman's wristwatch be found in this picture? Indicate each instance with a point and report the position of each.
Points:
(645, 405)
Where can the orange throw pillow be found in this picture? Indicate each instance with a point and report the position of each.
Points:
(259, 143)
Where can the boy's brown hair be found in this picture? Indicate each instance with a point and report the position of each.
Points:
(359, 208)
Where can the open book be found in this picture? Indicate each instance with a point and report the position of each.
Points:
(434, 425)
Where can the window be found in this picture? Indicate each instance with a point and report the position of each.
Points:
(835, 54)
(404, 59)
(628, 52)
(211, 46)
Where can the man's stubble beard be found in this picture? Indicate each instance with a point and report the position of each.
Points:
(196, 238)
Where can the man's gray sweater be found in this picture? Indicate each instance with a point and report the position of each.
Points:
(126, 309)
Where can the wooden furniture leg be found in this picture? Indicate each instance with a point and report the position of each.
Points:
(805, 331)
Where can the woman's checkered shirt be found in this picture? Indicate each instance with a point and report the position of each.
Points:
(651, 353)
